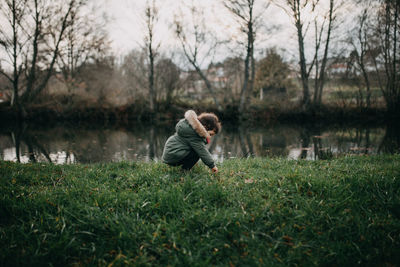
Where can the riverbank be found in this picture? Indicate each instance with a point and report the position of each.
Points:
(254, 212)
(255, 114)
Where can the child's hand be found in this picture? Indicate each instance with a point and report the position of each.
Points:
(215, 169)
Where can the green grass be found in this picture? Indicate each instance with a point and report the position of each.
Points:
(255, 212)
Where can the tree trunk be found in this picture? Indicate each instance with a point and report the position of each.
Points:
(253, 66)
(31, 93)
(325, 58)
(15, 102)
(367, 83)
(316, 80)
(245, 82)
(32, 73)
(151, 79)
(363, 39)
(305, 103)
(395, 71)
(249, 68)
(391, 91)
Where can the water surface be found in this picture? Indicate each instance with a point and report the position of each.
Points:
(72, 144)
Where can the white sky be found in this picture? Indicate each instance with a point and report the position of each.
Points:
(127, 23)
(126, 26)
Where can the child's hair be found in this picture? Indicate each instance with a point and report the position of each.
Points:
(210, 121)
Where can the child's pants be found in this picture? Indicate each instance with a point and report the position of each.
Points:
(189, 161)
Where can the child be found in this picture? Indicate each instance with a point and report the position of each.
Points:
(188, 144)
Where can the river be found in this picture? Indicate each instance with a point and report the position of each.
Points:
(66, 144)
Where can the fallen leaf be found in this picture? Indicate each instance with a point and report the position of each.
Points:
(287, 238)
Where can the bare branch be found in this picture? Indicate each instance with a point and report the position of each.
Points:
(6, 75)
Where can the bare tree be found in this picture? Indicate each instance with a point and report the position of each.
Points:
(387, 62)
(196, 42)
(85, 40)
(167, 79)
(360, 39)
(13, 43)
(320, 71)
(151, 18)
(50, 24)
(248, 19)
(32, 41)
(296, 9)
(134, 72)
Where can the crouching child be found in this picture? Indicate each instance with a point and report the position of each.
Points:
(188, 144)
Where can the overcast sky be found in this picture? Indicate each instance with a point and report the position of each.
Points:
(126, 25)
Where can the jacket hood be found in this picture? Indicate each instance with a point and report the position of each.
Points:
(191, 119)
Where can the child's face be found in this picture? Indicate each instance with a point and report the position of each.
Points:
(212, 133)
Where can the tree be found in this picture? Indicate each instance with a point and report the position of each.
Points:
(296, 9)
(85, 40)
(360, 41)
(167, 79)
(320, 70)
(134, 72)
(244, 12)
(151, 18)
(12, 44)
(32, 39)
(233, 71)
(197, 42)
(387, 62)
(272, 72)
(89, 73)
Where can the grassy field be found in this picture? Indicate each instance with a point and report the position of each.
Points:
(255, 212)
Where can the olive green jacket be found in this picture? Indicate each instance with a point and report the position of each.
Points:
(190, 134)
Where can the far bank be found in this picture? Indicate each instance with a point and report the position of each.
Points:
(255, 114)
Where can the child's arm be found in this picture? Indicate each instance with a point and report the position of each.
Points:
(201, 150)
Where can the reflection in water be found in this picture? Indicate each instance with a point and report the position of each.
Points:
(139, 143)
(391, 140)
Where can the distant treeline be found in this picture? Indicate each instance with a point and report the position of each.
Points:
(56, 62)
